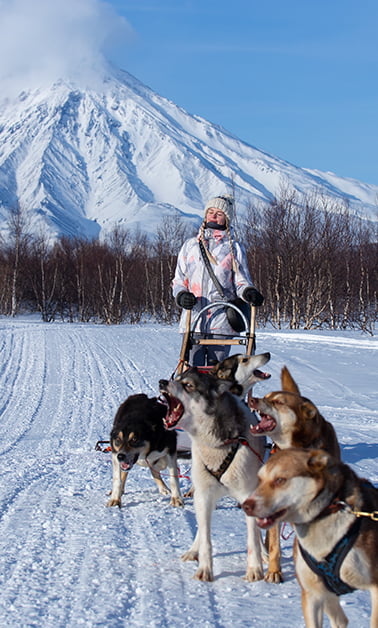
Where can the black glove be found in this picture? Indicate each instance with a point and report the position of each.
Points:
(185, 299)
(253, 296)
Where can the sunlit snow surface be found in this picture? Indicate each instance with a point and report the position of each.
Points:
(66, 559)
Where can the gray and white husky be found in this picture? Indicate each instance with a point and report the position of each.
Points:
(225, 458)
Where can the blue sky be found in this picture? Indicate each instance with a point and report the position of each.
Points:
(298, 79)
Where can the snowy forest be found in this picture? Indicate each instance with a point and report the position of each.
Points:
(315, 264)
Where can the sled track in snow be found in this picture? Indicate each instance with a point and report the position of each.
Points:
(66, 559)
(22, 381)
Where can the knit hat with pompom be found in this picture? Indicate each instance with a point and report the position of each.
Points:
(224, 203)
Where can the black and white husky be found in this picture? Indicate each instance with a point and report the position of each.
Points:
(225, 457)
(139, 436)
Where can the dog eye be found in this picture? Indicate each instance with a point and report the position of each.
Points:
(279, 481)
(188, 386)
(118, 442)
(135, 442)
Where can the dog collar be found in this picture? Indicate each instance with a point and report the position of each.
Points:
(335, 505)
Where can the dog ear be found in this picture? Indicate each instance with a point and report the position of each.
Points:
(188, 371)
(287, 382)
(308, 410)
(223, 373)
(318, 460)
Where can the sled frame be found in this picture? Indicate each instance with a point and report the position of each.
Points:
(248, 340)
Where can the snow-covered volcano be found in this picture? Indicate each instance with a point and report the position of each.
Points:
(81, 160)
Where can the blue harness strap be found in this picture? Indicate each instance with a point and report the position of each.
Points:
(329, 568)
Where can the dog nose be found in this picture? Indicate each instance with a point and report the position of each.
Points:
(121, 457)
(249, 506)
(163, 383)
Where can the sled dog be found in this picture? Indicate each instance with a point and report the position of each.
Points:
(242, 371)
(291, 421)
(139, 436)
(239, 372)
(225, 457)
(335, 516)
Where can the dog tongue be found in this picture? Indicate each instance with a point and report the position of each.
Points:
(261, 374)
(128, 464)
(267, 522)
(267, 424)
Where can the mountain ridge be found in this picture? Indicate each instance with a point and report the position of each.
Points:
(81, 161)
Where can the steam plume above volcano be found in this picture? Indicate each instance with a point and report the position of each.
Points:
(44, 40)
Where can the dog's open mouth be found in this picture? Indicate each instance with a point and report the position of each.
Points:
(261, 374)
(175, 410)
(268, 522)
(126, 462)
(267, 424)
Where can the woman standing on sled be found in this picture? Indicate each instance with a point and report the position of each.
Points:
(194, 288)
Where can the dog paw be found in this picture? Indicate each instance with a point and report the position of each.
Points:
(274, 577)
(254, 574)
(204, 574)
(163, 490)
(189, 555)
(190, 492)
(176, 502)
(114, 502)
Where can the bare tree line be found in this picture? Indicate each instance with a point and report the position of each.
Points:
(124, 278)
(315, 264)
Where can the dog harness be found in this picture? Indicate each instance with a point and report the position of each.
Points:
(329, 568)
(225, 464)
(235, 443)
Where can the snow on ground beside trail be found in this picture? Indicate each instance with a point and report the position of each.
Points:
(66, 559)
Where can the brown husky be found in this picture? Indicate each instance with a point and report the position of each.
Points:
(335, 516)
(291, 421)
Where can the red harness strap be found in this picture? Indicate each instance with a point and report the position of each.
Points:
(243, 441)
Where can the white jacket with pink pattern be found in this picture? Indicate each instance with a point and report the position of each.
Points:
(192, 275)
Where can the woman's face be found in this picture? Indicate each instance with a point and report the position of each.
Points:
(216, 215)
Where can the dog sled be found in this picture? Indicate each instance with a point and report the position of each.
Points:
(246, 338)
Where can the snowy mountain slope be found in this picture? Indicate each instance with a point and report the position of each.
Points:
(66, 559)
(80, 161)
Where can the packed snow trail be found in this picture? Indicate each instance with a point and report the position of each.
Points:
(66, 559)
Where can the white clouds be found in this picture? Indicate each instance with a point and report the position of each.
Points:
(43, 40)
